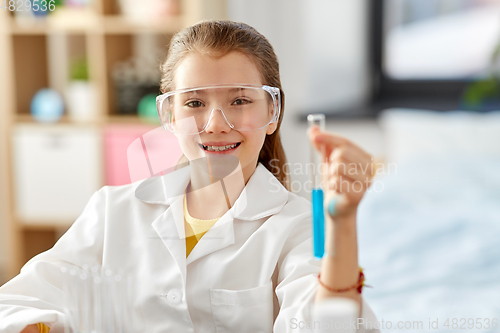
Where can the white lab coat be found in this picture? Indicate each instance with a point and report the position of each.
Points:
(253, 271)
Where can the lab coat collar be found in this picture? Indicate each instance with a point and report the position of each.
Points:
(262, 196)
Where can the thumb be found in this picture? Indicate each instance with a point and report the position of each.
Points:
(336, 205)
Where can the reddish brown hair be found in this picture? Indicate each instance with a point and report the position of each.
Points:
(220, 37)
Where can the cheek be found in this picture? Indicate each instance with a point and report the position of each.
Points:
(256, 141)
(189, 146)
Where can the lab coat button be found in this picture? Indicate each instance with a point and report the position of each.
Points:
(174, 296)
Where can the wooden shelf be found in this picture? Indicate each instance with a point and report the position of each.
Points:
(45, 225)
(64, 120)
(91, 23)
(35, 28)
(124, 119)
(117, 24)
(61, 21)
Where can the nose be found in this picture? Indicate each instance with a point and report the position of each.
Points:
(218, 122)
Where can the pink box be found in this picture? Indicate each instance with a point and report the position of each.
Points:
(135, 152)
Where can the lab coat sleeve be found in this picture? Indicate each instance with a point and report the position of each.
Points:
(297, 283)
(35, 295)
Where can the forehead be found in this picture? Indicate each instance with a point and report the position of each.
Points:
(197, 69)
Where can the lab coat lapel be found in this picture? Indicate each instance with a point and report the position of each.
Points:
(262, 196)
(170, 228)
(169, 190)
(216, 238)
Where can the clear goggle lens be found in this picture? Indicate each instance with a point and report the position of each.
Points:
(242, 107)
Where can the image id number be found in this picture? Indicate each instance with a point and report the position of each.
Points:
(478, 323)
(28, 5)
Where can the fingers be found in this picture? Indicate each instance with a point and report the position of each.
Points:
(351, 163)
(352, 189)
(326, 142)
(337, 205)
(353, 171)
(349, 174)
(331, 141)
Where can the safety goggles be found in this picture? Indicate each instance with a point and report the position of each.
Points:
(242, 107)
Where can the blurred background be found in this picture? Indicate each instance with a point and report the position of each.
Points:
(414, 83)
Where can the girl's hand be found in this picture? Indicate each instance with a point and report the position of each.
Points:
(349, 174)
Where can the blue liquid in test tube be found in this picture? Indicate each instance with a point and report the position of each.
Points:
(318, 213)
(318, 223)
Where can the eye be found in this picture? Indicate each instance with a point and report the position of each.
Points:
(241, 101)
(194, 104)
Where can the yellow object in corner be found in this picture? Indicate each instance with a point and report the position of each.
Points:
(43, 328)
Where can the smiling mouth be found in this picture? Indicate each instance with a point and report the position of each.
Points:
(220, 148)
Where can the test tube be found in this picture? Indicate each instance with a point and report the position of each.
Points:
(98, 300)
(316, 174)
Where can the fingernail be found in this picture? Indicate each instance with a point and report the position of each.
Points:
(331, 206)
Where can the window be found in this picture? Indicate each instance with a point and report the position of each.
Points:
(428, 53)
(440, 39)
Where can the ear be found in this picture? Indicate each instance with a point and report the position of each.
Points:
(271, 128)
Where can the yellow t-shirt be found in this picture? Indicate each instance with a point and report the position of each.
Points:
(42, 328)
(195, 228)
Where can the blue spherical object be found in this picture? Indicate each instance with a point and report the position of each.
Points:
(47, 106)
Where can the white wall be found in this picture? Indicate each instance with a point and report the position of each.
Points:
(282, 22)
(336, 53)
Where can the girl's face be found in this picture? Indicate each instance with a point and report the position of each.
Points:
(233, 68)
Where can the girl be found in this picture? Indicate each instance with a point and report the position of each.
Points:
(220, 244)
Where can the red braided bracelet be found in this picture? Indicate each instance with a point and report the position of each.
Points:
(358, 285)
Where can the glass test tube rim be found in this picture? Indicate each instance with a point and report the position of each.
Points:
(315, 157)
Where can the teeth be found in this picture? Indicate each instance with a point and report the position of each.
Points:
(219, 148)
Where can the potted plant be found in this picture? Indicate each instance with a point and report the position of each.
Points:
(80, 93)
(484, 95)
